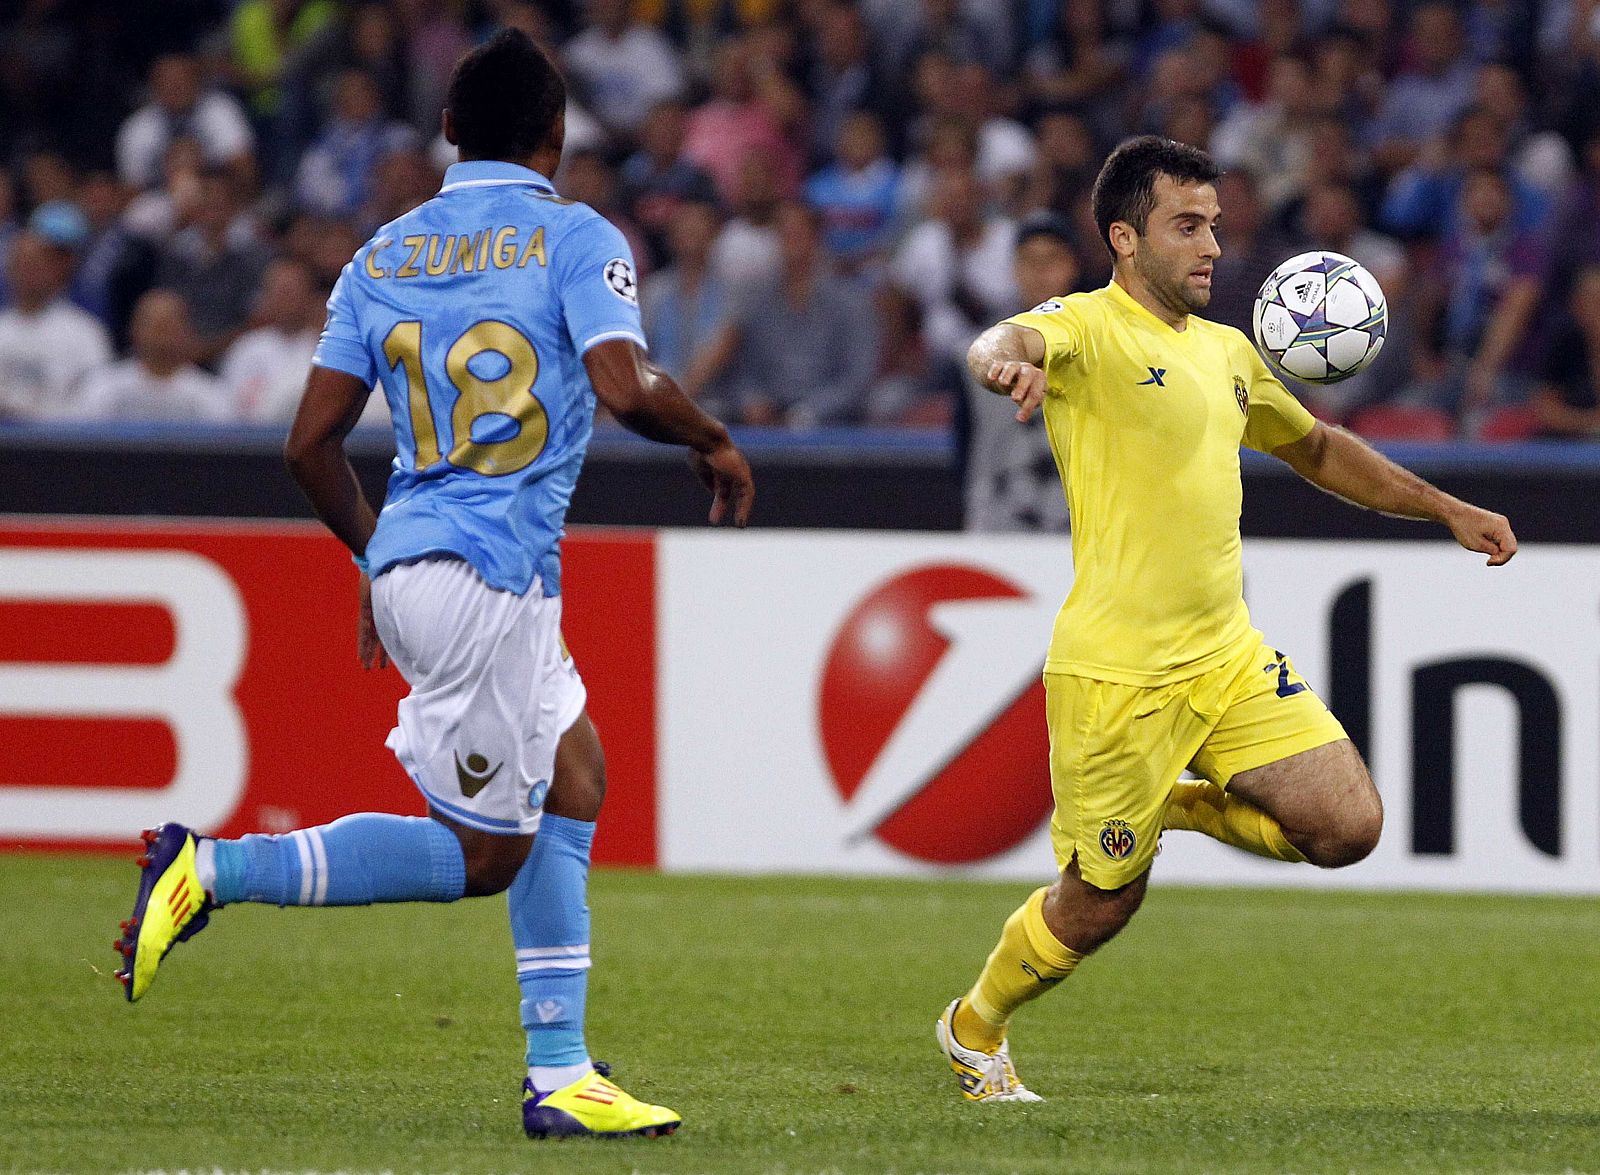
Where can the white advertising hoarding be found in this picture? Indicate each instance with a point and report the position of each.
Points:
(870, 703)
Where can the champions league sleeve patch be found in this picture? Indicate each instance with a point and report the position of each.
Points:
(1049, 307)
(621, 281)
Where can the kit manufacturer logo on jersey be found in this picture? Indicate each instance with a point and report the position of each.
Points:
(1157, 377)
(621, 281)
(474, 775)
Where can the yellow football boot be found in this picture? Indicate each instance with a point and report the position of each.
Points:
(171, 906)
(593, 1107)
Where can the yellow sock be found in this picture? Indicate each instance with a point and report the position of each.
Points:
(1207, 808)
(1027, 962)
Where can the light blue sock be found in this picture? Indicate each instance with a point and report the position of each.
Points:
(355, 861)
(550, 929)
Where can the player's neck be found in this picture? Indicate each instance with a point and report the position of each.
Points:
(1139, 290)
(544, 162)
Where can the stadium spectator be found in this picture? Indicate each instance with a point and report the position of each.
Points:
(1430, 92)
(964, 31)
(747, 249)
(1475, 318)
(1065, 163)
(844, 76)
(1078, 62)
(105, 248)
(1345, 77)
(1538, 157)
(155, 214)
(1010, 477)
(684, 305)
(622, 67)
(657, 180)
(752, 109)
(1272, 138)
(858, 195)
(957, 264)
(1567, 400)
(910, 388)
(951, 144)
(264, 371)
(264, 35)
(10, 226)
(182, 107)
(947, 88)
(215, 264)
(335, 176)
(159, 381)
(1577, 222)
(1426, 198)
(802, 346)
(48, 176)
(47, 345)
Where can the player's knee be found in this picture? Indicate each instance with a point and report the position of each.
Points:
(1353, 838)
(492, 861)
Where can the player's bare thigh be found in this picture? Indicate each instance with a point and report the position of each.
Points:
(1324, 800)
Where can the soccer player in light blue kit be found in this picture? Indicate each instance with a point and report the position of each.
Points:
(493, 316)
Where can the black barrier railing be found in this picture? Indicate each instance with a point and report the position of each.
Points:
(860, 479)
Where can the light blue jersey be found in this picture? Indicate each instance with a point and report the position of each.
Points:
(474, 311)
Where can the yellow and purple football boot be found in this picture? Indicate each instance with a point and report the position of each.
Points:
(593, 1107)
(172, 907)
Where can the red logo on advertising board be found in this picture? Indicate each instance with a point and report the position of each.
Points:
(969, 776)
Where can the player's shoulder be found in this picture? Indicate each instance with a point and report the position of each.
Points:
(1067, 307)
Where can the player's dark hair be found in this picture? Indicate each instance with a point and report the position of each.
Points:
(1125, 189)
(505, 97)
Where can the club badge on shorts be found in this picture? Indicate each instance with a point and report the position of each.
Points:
(1117, 840)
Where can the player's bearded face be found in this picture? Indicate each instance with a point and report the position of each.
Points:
(1174, 254)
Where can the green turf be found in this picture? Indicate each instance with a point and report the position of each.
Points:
(790, 1021)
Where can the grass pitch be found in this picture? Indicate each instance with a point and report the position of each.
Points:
(790, 1021)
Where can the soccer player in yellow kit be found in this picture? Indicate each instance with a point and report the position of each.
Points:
(1154, 666)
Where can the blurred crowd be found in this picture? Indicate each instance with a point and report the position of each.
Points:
(828, 198)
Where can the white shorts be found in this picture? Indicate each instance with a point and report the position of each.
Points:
(493, 689)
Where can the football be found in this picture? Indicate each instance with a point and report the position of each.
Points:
(1320, 317)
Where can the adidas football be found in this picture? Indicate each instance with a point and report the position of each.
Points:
(1320, 317)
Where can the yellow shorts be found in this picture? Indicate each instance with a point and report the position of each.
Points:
(1116, 750)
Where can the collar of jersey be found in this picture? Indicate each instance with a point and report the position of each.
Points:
(1118, 294)
(485, 173)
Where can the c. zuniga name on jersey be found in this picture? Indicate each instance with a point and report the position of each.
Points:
(437, 256)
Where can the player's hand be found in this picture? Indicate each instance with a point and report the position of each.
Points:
(726, 473)
(1485, 532)
(1023, 382)
(369, 648)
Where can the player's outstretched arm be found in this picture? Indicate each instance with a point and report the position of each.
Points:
(1006, 359)
(648, 401)
(1343, 464)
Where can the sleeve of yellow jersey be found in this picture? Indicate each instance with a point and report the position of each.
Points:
(1061, 324)
(1275, 418)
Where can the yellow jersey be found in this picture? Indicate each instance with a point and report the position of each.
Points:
(1146, 423)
